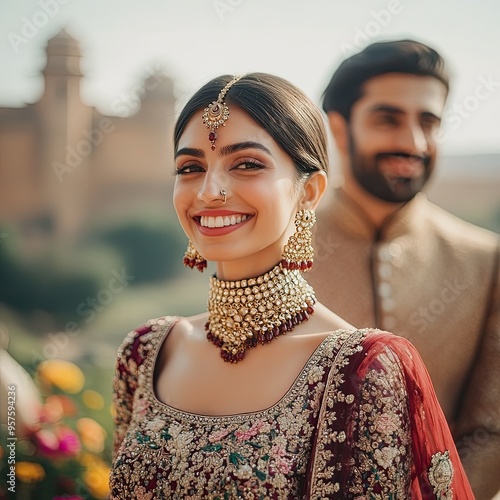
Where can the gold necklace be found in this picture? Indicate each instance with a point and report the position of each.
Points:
(243, 313)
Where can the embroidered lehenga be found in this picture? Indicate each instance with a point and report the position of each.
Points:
(360, 421)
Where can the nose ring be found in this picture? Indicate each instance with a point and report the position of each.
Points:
(223, 193)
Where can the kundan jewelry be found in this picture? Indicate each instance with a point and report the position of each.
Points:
(243, 313)
(299, 252)
(217, 113)
(193, 258)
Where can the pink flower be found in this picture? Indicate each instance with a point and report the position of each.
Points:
(69, 443)
(218, 435)
(277, 451)
(142, 407)
(387, 423)
(283, 466)
(62, 441)
(254, 430)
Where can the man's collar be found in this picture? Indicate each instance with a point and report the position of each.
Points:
(353, 219)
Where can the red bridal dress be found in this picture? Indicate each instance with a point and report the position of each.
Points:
(361, 421)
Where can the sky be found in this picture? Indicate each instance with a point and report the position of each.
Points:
(303, 41)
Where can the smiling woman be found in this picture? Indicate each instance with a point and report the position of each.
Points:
(268, 394)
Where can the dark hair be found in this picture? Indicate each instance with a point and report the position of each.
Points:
(284, 111)
(403, 56)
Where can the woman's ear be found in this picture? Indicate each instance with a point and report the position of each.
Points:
(313, 190)
(338, 126)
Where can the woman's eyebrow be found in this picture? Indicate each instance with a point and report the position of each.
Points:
(197, 153)
(240, 146)
(225, 150)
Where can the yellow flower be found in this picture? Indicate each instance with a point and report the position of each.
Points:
(93, 400)
(92, 434)
(63, 374)
(29, 472)
(96, 478)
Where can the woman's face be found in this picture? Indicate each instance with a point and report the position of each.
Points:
(245, 235)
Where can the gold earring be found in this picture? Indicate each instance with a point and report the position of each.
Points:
(193, 258)
(299, 252)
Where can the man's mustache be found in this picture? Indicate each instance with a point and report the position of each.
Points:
(416, 158)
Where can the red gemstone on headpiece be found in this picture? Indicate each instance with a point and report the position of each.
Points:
(215, 108)
(212, 136)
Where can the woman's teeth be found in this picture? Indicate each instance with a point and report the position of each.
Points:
(219, 221)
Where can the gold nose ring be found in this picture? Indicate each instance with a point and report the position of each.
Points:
(223, 193)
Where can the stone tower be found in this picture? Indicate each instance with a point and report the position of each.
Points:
(66, 144)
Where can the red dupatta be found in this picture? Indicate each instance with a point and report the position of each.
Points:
(380, 378)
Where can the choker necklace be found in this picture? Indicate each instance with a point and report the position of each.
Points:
(243, 313)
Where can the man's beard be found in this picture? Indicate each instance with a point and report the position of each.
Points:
(393, 189)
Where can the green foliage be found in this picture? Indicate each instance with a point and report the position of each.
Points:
(152, 249)
(46, 283)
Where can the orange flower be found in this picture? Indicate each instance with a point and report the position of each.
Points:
(93, 400)
(29, 472)
(56, 407)
(96, 478)
(92, 434)
(62, 374)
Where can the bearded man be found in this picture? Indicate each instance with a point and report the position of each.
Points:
(387, 257)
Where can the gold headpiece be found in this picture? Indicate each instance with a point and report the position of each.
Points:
(217, 112)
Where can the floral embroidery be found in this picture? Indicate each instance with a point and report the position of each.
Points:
(295, 449)
(172, 454)
(378, 432)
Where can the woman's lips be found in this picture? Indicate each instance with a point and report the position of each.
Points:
(221, 221)
(218, 224)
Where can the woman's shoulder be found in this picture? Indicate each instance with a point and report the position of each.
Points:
(375, 339)
(388, 352)
(143, 337)
(374, 345)
(139, 340)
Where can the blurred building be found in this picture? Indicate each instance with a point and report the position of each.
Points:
(62, 162)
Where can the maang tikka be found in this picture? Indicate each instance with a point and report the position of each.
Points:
(217, 112)
(298, 252)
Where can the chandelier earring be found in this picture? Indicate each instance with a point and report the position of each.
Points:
(193, 258)
(298, 252)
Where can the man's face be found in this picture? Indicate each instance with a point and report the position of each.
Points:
(392, 134)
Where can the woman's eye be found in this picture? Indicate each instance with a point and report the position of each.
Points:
(249, 165)
(188, 169)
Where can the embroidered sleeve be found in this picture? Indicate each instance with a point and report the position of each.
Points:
(363, 443)
(381, 447)
(125, 383)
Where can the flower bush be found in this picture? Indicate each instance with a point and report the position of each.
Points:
(66, 455)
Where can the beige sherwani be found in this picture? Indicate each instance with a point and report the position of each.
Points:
(427, 276)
